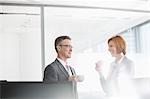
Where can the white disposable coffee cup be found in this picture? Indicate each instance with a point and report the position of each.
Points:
(80, 78)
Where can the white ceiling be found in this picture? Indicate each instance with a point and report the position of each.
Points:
(110, 16)
(125, 4)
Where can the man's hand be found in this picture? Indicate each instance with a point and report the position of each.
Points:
(76, 78)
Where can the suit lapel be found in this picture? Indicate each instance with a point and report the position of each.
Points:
(61, 67)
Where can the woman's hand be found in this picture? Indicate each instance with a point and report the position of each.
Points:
(98, 66)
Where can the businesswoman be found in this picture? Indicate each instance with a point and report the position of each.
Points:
(121, 69)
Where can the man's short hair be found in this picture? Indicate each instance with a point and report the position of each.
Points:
(59, 39)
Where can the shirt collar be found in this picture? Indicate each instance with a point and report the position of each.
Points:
(64, 65)
(120, 60)
(62, 62)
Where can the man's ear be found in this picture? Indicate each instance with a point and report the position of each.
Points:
(58, 48)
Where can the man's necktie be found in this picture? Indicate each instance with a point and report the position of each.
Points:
(68, 69)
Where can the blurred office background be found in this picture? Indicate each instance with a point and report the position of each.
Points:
(28, 29)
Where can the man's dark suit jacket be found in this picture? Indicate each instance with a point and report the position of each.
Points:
(55, 72)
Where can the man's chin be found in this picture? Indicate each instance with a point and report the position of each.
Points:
(69, 56)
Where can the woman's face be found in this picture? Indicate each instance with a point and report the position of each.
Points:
(112, 49)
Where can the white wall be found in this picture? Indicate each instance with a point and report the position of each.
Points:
(30, 56)
(9, 56)
(20, 47)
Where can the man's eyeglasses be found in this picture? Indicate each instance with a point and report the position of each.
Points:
(68, 46)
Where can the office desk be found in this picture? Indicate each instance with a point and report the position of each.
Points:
(37, 90)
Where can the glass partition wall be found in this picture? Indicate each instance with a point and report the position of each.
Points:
(90, 30)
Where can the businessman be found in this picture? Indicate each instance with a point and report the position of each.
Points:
(59, 70)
